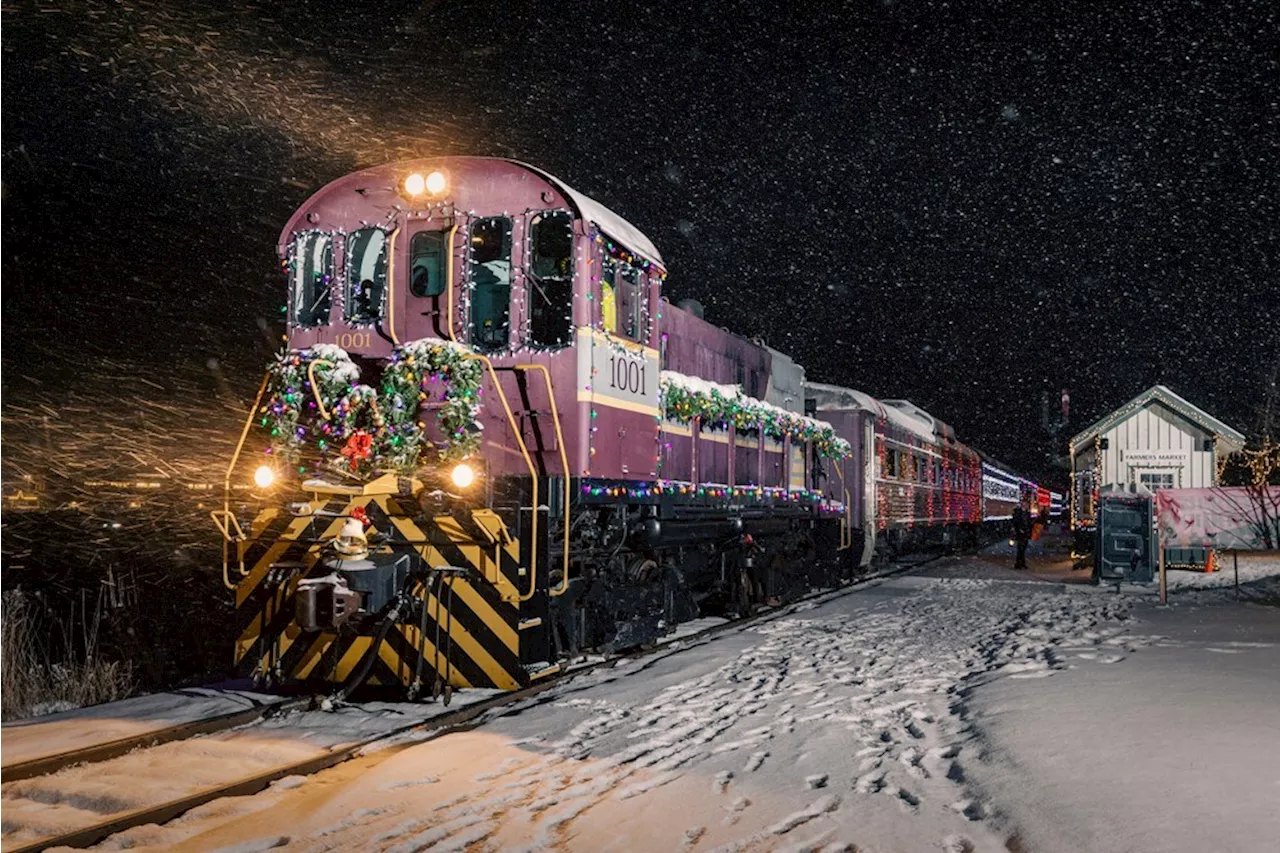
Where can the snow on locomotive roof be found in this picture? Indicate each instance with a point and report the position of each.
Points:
(836, 397)
(588, 208)
(604, 218)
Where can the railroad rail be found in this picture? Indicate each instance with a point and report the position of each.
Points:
(439, 726)
(48, 764)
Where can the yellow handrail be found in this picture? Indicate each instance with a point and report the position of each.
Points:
(448, 283)
(226, 482)
(533, 474)
(315, 389)
(846, 520)
(563, 586)
(391, 287)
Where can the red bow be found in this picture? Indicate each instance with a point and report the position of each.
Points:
(359, 446)
(360, 515)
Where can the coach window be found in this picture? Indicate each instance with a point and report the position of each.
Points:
(491, 283)
(427, 263)
(312, 275)
(631, 293)
(891, 464)
(550, 280)
(366, 274)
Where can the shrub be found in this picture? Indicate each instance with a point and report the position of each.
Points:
(51, 660)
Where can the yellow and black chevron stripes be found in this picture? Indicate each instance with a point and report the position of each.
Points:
(464, 626)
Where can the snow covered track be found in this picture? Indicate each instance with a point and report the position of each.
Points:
(105, 749)
(58, 790)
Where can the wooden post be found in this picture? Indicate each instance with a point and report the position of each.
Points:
(1163, 586)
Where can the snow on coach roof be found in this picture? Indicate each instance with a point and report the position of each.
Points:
(901, 413)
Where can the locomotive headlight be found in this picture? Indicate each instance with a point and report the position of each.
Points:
(415, 185)
(462, 475)
(264, 476)
(437, 183)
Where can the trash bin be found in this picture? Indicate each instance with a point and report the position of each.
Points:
(1124, 551)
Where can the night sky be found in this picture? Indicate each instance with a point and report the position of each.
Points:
(965, 204)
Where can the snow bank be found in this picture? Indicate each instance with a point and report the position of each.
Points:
(1260, 570)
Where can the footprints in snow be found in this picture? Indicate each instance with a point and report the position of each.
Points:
(889, 678)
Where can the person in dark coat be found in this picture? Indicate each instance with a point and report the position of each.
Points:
(1021, 533)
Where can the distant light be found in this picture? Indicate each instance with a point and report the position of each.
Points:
(264, 476)
(437, 183)
(415, 184)
(462, 475)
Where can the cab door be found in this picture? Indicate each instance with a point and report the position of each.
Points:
(428, 253)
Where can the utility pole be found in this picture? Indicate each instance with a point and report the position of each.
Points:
(1055, 425)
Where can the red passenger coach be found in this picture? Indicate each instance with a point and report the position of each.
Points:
(491, 444)
(920, 486)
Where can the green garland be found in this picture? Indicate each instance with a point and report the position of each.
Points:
(370, 431)
(290, 412)
(724, 406)
(421, 372)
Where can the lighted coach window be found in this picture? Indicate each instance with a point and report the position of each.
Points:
(427, 263)
(491, 283)
(312, 276)
(550, 282)
(366, 274)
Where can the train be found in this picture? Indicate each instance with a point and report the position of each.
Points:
(491, 445)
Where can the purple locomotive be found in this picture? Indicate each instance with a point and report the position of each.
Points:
(493, 445)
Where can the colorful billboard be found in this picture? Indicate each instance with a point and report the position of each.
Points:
(1245, 518)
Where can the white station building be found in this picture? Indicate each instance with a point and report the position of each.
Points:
(1157, 440)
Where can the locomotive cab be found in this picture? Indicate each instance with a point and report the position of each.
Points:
(506, 261)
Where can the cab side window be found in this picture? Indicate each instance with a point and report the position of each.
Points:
(609, 295)
(550, 280)
(427, 263)
(491, 283)
(632, 290)
(366, 275)
(312, 276)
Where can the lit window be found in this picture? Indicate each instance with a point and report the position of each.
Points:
(312, 275)
(632, 290)
(427, 263)
(608, 297)
(550, 280)
(1156, 481)
(366, 275)
(491, 283)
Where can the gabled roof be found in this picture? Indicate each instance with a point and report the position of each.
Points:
(1161, 394)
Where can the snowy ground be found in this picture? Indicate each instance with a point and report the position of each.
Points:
(918, 713)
